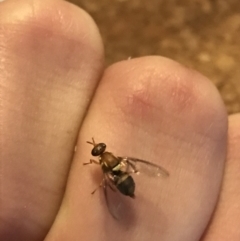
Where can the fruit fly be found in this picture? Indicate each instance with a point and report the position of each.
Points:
(117, 171)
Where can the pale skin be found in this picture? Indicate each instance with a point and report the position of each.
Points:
(55, 95)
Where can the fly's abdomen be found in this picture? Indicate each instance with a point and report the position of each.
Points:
(126, 185)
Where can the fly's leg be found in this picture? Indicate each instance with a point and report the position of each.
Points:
(91, 162)
(100, 185)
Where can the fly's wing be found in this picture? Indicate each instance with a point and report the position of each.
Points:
(112, 197)
(135, 165)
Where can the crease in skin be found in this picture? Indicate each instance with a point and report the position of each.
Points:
(2, 60)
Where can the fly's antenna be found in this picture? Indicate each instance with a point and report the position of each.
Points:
(92, 143)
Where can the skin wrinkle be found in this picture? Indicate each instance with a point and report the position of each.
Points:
(165, 132)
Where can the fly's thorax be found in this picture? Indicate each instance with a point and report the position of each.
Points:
(109, 162)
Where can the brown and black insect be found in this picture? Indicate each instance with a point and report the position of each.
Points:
(117, 170)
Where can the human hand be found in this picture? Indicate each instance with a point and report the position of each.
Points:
(54, 90)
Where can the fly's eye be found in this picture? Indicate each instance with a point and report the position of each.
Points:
(98, 149)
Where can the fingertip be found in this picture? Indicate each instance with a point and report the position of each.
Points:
(151, 84)
(32, 21)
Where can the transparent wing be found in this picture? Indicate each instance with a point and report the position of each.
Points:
(121, 207)
(112, 196)
(131, 164)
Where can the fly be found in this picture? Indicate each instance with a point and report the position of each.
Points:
(117, 171)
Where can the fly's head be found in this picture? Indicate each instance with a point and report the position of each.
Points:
(98, 149)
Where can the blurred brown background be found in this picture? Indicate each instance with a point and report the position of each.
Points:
(202, 34)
